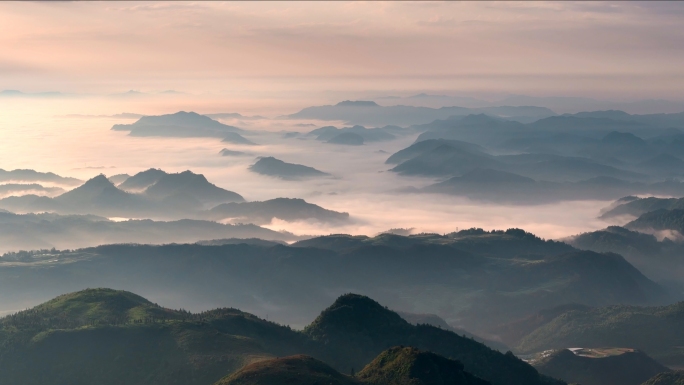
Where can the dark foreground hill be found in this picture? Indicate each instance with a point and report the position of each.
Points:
(105, 336)
(610, 367)
(299, 369)
(410, 366)
(667, 378)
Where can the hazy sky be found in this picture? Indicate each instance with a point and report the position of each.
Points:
(601, 49)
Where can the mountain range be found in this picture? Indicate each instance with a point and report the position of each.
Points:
(117, 336)
(473, 279)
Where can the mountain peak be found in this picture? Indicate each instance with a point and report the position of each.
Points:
(353, 313)
(357, 103)
(407, 365)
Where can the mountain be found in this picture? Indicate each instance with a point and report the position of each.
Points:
(382, 134)
(14, 188)
(142, 180)
(659, 220)
(185, 187)
(475, 128)
(600, 366)
(289, 171)
(370, 113)
(446, 159)
(118, 178)
(35, 176)
(437, 321)
(359, 328)
(347, 138)
(119, 337)
(227, 152)
(299, 369)
(475, 280)
(638, 206)
(45, 231)
(666, 164)
(99, 195)
(181, 124)
(424, 146)
(667, 378)
(290, 210)
(410, 366)
(657, 331)
(235, 138)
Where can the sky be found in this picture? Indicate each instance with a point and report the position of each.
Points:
(273, 58)
(626, 50)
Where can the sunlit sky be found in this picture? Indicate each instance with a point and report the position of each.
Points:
(262, 49)
(272, 58)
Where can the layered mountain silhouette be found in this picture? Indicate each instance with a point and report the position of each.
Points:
(235, 138)
(25, 175)
(46, 231)
(476, 280)
(113, 331)
(25, 188)
(162, 195)
(290, 210)
(290, 171)
(370, 113)
(181, 124)
(332, 134)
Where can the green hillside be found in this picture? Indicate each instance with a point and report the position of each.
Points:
(657, 331)
(667, 378)
(410, 366)
(104, 336)
(300, 370)
(602, 367)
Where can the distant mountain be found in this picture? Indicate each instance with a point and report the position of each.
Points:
(118, 178)
(235, 138)
(663, 164)
(227, 152)
(290, 171)
(45, 231)
(347, 138)
(35, 176)
(370, 113)
(421, 147)
(181, 124)
(233, 115)
(142, 180)
(657, 331)
(290, 210)
(99, 195)
(158, 195)
(328, 133)
(16, 188)
(667, 378)
(406, 365)
(186, 186)
(659, 220)
(435, 320)
(447, 159)
(637, 207)
(616, 367)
